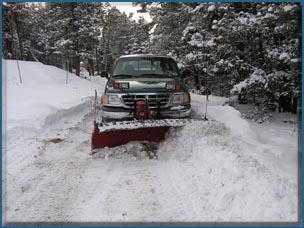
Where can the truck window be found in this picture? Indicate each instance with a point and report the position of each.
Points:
(146, 67)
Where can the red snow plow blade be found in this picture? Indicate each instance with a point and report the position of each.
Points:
(117, 137)
(145, 128)
(118, 133)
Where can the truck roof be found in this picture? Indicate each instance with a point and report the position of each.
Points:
(144, 55)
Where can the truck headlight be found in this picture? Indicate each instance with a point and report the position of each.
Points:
(181, 98)
(114, 99)
(111, 99)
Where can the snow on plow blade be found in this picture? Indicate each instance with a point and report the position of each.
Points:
(119, 133)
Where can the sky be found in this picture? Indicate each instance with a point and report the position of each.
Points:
(128, 8)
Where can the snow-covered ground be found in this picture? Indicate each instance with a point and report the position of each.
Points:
(223, 170)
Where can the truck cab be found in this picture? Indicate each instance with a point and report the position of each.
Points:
(154, 79)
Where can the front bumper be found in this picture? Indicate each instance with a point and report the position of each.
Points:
(119, 114)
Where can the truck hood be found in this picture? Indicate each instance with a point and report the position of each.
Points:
(137, 85)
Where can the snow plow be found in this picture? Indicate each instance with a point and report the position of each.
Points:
(116, 134)
(144, 97)
(145, 127)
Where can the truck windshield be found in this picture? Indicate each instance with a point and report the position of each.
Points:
(145, 67)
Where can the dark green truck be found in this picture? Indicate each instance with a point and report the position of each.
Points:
(153, 78)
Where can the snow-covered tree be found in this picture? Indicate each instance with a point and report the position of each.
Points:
(16, 27)
(169, 20)
(122, 35)
(223, 45)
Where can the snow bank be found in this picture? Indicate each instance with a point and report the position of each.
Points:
(273, 144)
(43, 91)
(221, 175)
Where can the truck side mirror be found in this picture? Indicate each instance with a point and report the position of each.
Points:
(104, 74)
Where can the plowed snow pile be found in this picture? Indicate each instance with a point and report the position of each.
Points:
(223, 170)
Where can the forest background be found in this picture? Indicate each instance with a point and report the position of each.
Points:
(250, 49)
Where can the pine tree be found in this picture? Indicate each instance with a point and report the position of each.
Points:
(121, 35)
(169, 20)
(16, 27)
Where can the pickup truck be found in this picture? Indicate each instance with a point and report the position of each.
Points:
(151, 78)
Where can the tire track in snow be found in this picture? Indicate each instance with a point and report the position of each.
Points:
(52, 177)
(124, 192)
(69, 185)
(179, 196)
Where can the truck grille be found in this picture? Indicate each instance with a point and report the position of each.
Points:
(164, 99)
